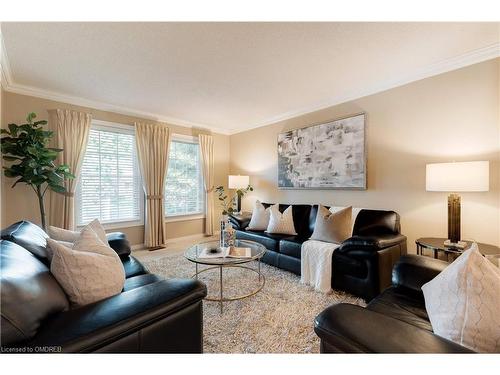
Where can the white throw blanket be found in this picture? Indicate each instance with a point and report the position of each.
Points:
(316, 265)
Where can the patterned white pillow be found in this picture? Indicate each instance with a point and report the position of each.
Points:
(66, 235)
(88, 272)
(463, 302)
(260, 217)
(281, 223)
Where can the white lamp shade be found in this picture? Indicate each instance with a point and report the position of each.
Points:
(457, 177)
(238, 182)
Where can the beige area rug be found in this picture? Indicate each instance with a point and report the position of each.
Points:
(278, 319)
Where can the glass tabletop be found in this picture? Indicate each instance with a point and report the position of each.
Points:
(257, 251)
(438, 244)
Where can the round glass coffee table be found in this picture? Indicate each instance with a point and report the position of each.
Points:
(257, 252)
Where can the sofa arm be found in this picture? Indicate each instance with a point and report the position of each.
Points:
(119, 243)
(102, 323)
(346, 328)
(240, 221)
(413, 271)
(371, 243)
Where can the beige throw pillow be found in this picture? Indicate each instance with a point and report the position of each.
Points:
(88, 272)
(281, 223)
(65, 235)
(463, 302)
(260, 217)
(332, 227)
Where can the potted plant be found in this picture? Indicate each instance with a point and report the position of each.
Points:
(228, 235)
(31, 161)
(227, 204)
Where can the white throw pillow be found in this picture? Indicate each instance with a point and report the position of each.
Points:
(65, 235)
(260, 217)
(281, 223)
(463, 302)
(88, 272)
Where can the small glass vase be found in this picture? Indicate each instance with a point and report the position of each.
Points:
(227, 234)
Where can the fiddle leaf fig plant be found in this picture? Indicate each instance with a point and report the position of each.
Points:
(30, 161)
(227, 204)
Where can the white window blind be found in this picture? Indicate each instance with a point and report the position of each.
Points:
(184, 191)
(109, 187)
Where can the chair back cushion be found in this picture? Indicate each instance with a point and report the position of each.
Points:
(29, 293)
(31, 237)
(376, 222)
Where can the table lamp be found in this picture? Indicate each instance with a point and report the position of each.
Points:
(471, 176)
(238, 182)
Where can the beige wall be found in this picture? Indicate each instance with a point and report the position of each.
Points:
(453, 116)
(20, 203)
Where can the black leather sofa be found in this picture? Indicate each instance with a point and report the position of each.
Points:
(394, 322)
(361, 265)
(151, 315)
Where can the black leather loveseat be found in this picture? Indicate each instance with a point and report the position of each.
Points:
(150, 315)
(361, 265)
(394, 322)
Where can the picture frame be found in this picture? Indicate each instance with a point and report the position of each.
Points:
(328, 155)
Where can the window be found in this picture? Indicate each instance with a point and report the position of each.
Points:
(184, 191)
(110, 187)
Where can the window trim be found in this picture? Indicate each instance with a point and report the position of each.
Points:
(194, 215)
(115, 224)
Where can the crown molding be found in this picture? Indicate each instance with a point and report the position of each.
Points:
(454, 63)
(102, 106)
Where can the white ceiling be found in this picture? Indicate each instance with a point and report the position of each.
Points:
(232, 76)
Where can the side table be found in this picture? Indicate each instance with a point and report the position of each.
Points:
(436, 245)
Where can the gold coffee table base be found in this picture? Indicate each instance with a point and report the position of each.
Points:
(221, 298)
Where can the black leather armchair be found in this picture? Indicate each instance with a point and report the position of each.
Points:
(151, 315)
(394, 322)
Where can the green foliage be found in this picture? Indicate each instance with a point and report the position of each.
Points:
(227, 204)
(30, 161)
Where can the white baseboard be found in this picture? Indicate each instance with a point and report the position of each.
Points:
(170, 241)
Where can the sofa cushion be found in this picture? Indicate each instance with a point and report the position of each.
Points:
(29, 293)
(30, 236)
(398, 304)
(132, 267)
(269, 240)
(292, 246)
(376, 222)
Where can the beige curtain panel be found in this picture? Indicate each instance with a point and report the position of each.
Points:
(153, 142)
(71, 133)
(207, 158)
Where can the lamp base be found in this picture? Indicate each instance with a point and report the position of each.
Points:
(455, 245)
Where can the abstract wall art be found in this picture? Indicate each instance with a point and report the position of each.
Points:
(325, 156)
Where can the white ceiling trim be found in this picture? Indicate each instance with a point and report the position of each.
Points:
(83, 102)
(466, 59)
(461, 61)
